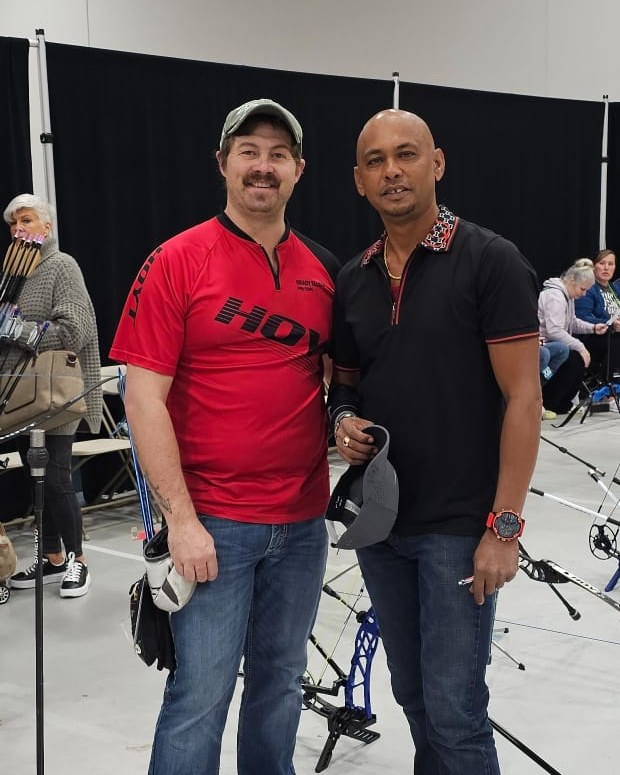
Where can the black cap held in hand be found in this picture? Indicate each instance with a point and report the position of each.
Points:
(365, 498)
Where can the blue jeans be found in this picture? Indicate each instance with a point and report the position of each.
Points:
(551, 356)
(261, 607)
(437, 642)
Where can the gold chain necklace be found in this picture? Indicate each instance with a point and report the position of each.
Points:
(396, 278)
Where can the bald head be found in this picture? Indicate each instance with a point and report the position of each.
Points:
(398, 167)
(390, 122)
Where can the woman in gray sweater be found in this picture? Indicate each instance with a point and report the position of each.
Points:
(54, 298)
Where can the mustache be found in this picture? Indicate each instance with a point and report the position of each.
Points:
(256, 177)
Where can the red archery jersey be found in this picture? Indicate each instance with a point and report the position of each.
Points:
(244, 346)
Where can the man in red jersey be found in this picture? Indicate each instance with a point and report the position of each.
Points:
(223, 334)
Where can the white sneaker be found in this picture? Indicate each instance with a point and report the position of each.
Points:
(77, 578)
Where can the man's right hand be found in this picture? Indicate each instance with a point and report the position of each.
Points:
(192, 550)
(355, 446)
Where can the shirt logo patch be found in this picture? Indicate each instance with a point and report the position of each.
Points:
(309, 285)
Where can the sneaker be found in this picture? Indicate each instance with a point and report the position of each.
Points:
(546, 374)
(547, 414)
(76, 580)
(26, 579)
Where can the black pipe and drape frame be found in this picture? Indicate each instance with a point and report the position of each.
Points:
(135, 135)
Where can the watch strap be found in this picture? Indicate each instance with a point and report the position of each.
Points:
(490, 523)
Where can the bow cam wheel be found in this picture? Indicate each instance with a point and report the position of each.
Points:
(603, 542)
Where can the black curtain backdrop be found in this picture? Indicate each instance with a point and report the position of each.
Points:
(135, 136)
(613, 179)
(16, 177)
(525, 167)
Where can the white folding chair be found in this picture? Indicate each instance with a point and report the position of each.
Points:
(83, 451)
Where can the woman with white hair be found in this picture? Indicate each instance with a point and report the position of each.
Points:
(55, 294)
(558, 323)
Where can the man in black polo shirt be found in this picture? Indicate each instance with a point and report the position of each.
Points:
(436, 338)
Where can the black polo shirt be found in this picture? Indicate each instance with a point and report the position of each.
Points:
(425, 369)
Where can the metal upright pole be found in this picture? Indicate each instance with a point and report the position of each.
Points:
(396, 99)
(602, 235)
(47, 138)
(37, 460)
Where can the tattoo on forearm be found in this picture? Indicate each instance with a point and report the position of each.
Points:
(163, 503)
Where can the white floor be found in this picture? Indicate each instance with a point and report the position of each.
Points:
(101, 702)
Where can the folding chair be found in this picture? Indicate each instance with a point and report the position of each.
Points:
(111, 443)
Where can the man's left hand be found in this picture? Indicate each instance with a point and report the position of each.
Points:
(496, 563)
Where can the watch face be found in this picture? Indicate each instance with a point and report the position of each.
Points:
(507, 524)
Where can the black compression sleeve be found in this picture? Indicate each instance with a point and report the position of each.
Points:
(341, 398)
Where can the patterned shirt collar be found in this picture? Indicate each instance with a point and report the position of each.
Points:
(438, 240)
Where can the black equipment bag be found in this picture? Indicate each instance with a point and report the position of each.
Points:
(150, 627)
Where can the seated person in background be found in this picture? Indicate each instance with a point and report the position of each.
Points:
(551, 356)
(600, 303)
(556, 316)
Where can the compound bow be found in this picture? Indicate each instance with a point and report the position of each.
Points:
(351, 719)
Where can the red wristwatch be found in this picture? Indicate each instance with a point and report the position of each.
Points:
(506, 524)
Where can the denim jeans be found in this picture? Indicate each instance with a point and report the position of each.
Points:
(551, 356)
(437, 642)
(261, 607)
